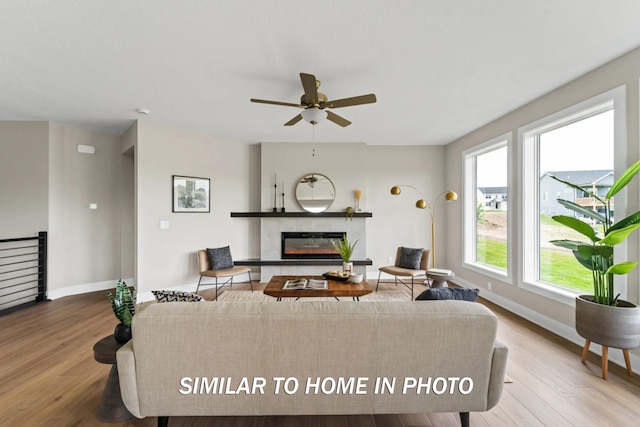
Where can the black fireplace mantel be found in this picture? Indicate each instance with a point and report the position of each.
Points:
(299, 215)
(297, 262)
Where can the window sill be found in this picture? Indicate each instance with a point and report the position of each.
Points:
(555, 293)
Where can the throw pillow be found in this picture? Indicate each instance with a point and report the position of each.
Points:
(170, 296)
(410, 258)
(463, 294)
(220, 258)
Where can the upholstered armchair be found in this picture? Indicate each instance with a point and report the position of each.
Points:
(222, 267)
(409, 262)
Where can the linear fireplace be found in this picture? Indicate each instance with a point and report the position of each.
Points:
(309, 245)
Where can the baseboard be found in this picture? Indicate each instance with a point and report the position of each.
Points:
(558, 328)
(84, 288)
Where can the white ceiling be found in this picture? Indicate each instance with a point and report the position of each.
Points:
(439, 68)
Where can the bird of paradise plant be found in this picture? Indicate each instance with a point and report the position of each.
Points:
(597, 255)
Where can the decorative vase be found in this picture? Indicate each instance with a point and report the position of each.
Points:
(347, 267)
(122, 333)
(610, 326)
(349, 213)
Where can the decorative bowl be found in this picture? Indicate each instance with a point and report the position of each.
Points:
(356, 278)
(336, 275)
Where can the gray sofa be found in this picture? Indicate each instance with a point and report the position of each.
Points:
(311, 358)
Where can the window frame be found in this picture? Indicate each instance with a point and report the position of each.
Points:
(529, 186)
(469, 230)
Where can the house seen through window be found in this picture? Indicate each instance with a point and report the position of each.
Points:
(486, 206)
(578, 148)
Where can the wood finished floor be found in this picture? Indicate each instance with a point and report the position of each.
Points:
(48, 377)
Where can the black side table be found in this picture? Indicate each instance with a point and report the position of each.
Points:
(111, 408)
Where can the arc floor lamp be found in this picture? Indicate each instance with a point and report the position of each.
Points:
(447, 196)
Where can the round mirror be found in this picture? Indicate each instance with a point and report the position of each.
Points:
(315, 192)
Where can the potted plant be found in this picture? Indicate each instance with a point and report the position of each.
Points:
(345, 250)
(602, 317)
(123, 305)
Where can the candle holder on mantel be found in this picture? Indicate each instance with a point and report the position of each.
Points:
(275, 195)
(282, 208)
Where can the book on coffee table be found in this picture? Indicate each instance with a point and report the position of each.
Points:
(305, 284)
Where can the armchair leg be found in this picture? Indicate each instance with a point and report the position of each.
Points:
(378, 282)
(250, 281)
(198, 287)
(163, 421)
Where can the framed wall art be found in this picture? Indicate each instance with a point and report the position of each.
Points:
(191, 194)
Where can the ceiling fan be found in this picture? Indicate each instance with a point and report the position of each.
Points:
(310, 180)
(314, 103)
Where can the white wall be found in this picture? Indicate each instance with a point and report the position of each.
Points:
(24, 176)
(396, 221)
(128, 232)
(127, 215)
(342, 163)
(242, 180)
(374, 170)
(84, 243)
(167, 258)
(46, 185)
(554, 315)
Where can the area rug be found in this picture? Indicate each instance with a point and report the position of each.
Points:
(231, 295)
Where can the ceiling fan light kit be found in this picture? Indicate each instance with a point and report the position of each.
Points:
(314, 115)
(314, 103)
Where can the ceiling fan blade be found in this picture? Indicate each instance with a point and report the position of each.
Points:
(293, 121)
(285, 104)
(348, 102)
(310, 88)
(337, 119)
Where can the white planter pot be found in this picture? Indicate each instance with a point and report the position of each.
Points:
(347, 267)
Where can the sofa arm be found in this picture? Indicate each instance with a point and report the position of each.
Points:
(127, 373)
(498, 371)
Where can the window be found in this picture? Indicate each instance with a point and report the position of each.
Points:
(576, 145)
(486, 207)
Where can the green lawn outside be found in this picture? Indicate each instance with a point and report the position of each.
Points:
(562, 269)
(491, 252)
(556, 267)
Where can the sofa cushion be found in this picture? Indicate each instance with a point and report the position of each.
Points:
(410, 258)
(463, 294)
(170, 296)
(220, 258)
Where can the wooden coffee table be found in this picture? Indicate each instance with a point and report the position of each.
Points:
(335, 289)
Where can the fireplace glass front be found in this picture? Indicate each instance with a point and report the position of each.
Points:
(310, 245)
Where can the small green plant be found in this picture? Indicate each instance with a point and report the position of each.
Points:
(344, 249)
(123, 302)
(597, 255)
(479, 214)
